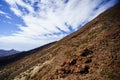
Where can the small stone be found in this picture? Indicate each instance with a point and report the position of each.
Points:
(73, 62)
(86, 52)
(84, 69)
(88, 60)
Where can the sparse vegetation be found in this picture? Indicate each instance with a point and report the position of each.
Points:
(101, 71)
(75, 45)
(109, 75)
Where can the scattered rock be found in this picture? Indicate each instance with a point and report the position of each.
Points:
(88, 60)
(66, 71)
(63, 64)
(84, 69)
(73, 62)
(86, 52)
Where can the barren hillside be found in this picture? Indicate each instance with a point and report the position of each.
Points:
(91, 53)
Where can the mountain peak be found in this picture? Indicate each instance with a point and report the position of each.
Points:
(7, 52)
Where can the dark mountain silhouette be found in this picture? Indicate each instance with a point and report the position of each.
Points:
(7, 52)
(4, 60)
(91, 53)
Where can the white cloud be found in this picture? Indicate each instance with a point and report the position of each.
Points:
(9, 22)
(41, 25)
(8, 17)
(5, 14)
(2, 12)
(16, 11)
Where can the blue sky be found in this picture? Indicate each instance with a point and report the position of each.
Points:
(26, 24)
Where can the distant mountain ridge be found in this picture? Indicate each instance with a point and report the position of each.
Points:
(4, 60)
(8, 52)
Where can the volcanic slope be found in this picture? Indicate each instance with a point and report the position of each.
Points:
(91, 53)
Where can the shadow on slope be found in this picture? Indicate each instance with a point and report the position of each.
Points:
(9, 59)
